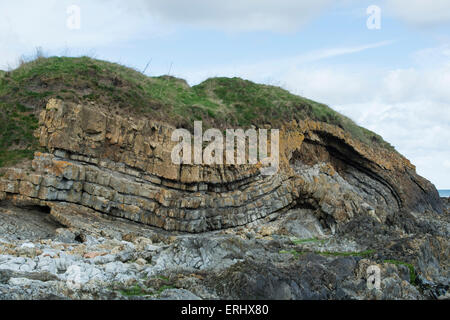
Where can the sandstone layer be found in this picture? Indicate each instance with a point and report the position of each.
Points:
(121, 166)
(105, 214)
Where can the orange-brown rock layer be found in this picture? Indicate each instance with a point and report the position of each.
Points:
(122, 167)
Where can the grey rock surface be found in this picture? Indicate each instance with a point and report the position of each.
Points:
(292, 257)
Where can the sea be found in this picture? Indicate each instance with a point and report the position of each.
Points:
(444, 193)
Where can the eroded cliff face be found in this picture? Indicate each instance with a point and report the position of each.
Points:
(121, 166)
(335, 208)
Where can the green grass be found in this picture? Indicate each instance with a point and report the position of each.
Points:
(412, 270)
(152, 287)
(218, 102)
(17, 125)
(302, 241)
(248, 103)
(366, 253)
(134, 291)
(295, 253)
(138, 291)
(163, 278)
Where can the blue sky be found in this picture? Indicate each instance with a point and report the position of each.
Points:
(394, 80)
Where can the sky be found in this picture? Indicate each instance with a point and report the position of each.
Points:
(385, 64)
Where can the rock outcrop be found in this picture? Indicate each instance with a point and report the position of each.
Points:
(121, 166)
(104, 213)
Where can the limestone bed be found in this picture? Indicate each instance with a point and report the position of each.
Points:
(104, 214)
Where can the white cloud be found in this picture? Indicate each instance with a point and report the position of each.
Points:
(242, 15)
(25, 25)
(430, 57)
(334, 52)
(44, 23)
(282, 68)
(409, 107)
(447, 164)
(419, 129)
(421, 13)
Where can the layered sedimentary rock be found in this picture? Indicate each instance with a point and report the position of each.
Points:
(121, 166)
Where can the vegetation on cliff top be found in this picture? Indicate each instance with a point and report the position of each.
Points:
(218, 102)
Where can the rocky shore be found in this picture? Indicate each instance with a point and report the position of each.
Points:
(91, 256)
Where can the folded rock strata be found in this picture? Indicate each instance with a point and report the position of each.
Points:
(121, 166)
